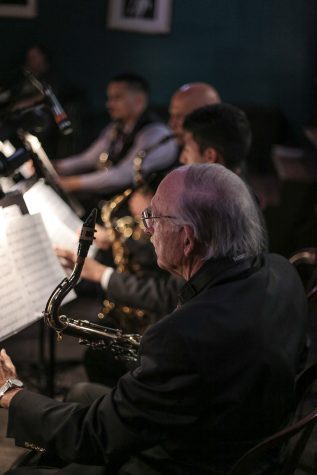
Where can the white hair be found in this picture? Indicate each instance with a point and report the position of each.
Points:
(217, 204)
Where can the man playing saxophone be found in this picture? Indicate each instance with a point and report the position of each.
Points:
(204, 388)
(218, 132)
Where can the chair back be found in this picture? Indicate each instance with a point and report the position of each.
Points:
(303, 428)
(248, 462)
(304, 382)
(308, 257)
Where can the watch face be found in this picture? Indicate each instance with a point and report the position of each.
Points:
(16, 383)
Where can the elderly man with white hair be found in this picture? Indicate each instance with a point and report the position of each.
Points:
(215, 376)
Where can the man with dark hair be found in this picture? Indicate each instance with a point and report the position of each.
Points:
(135, 82)
(110, 159)
(214, 377)
(218, 133)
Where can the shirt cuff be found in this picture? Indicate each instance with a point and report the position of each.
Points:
(106, 277)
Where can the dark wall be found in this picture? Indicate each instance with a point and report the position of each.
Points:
(253, 51)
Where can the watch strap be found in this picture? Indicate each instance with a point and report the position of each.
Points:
(7, 385)
(11, 383)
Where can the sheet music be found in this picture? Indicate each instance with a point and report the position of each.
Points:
(61, 223)
(15, 308)
(3, 239)
(34, 259)
(32, 271)
(42, 198)
(11, 211)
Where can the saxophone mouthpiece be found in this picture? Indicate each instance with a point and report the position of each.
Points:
(87, 234)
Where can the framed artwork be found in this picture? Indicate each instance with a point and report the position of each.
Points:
(143, 16)
(18, 8)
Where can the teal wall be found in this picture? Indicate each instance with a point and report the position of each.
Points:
(253, 51)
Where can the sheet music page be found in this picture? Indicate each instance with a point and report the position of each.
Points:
(41, 197)
(15, 309)
(34, 259)
(61, 223)
(11, 211)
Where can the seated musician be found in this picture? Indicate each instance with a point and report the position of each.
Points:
(214, 133)
(217, 133)
(205, 387)
(133, 128)
(151, 292)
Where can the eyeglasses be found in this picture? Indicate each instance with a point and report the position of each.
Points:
(148, 219)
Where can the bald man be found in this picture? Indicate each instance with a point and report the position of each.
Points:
(185, 100)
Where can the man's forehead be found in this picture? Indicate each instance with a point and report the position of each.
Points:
(121, 86)
(181, 103)
(169, 190)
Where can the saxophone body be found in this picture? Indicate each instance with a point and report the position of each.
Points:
(121, 229)
(123, 346)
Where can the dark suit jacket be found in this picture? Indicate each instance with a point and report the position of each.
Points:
(215, 376)
(154, 293)
(149, 287)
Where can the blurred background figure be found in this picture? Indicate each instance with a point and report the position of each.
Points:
(186, 99)
(108, 165)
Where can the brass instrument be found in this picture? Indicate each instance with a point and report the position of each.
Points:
(123, 346)
(120, 229)
(104, 158)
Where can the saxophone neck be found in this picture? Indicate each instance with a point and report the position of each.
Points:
(67, 284)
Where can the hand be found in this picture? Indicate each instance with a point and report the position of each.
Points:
(69, 183)
(7, 368)
(28, 169)
(66, 257)
(92, 269)
(103, 237)
(58, 165)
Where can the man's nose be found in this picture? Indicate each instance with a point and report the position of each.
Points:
(149, 230)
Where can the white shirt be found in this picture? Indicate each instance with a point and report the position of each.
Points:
(121, 175)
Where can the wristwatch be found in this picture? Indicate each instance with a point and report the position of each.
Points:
(11, 383)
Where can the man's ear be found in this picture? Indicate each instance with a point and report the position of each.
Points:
(140, 99)
(211, 155)
(189, 240)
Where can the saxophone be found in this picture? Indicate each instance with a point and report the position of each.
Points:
(123, 228)
(124, 346)
(104, 159)
(119, 231)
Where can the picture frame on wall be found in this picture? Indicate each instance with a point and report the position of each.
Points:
(142, 16)
(18, 8)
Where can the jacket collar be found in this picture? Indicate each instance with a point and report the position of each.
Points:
(215, 271)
